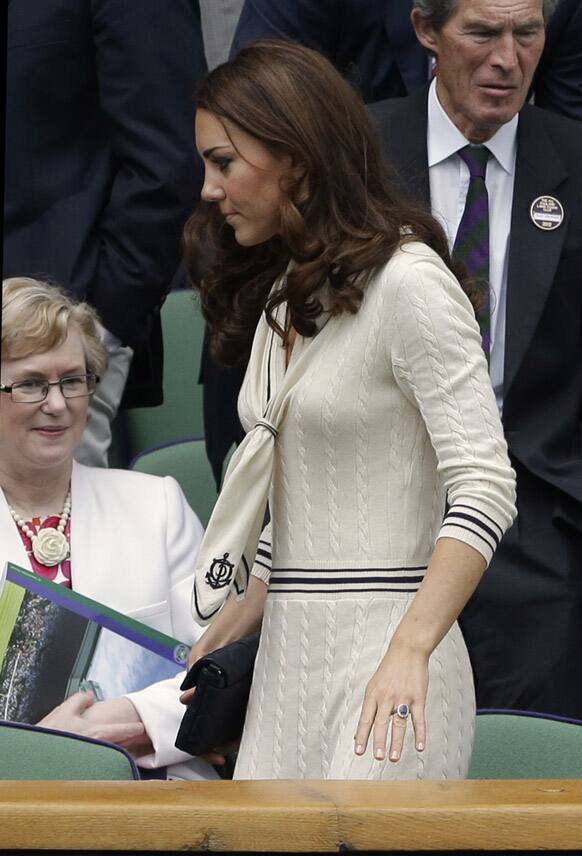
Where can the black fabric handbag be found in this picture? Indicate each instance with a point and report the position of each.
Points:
(216, 713)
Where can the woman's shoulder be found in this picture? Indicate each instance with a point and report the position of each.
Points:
(415, 266)
(417, 276)
(413, 255)
(125, 481)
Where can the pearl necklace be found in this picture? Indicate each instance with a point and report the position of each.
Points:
(50, 546)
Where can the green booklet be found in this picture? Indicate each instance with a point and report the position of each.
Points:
(54, 642)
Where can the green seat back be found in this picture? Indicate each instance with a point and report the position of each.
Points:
(186, 461)
(180, 416)
(32, 752)
(518, 746)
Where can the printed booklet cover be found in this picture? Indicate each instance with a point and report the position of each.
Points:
(54, 642)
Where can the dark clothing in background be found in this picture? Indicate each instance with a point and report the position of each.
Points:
(523, 626)
(101, 169)
(222, 428)
(557, 83)
(372, 43)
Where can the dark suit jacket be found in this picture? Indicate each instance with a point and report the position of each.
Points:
(101, 170)
(371, 42)
(558, 80)
(542, 412)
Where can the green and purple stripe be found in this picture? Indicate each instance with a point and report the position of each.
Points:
(161, 644)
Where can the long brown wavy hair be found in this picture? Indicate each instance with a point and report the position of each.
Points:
(349, 222)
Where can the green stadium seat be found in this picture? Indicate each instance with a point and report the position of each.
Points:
(33, 752)
(186, 461)
(181, 415)
(523, 745)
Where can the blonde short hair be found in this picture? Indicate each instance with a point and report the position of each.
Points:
(36, 317)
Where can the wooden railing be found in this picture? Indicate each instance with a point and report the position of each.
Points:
(298, 816)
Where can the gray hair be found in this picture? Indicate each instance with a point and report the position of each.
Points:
(438, 12)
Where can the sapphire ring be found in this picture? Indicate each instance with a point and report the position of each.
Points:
(403, 711)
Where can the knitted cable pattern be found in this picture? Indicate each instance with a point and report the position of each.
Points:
(306, 487)
(439, 374)
(363, 432)
(483, 395)
(289, 528)
(328, 663)
(443, 749)
(260, 706)
(329, 412)
(281, 684)
(302, 720)
(355, 649)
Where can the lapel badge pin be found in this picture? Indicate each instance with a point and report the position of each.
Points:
(547, 213)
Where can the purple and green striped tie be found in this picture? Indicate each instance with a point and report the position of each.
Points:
(472, 241)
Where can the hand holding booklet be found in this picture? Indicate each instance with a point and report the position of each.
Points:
(55, 642)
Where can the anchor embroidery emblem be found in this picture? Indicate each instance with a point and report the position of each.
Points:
(220, 573)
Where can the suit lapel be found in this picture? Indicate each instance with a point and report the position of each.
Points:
(405, 143)
(533, 253)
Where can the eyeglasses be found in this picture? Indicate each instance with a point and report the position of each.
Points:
(32, 391)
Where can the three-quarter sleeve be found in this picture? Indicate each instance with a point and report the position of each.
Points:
(262, 565)
(438, 362)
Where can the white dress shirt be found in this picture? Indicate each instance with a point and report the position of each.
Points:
(449, 182)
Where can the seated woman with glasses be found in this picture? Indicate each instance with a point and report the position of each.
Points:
(126, 539)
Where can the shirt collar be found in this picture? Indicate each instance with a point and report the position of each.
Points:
(444, 138)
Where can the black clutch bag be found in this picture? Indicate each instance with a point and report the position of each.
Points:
(216, 713)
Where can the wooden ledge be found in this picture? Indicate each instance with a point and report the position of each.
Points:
(297, 816)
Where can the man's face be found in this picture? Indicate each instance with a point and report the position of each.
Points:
(486, 53)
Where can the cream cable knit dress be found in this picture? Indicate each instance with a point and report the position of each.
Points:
(395, 414)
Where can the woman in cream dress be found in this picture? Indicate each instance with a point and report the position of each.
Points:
(372, 432)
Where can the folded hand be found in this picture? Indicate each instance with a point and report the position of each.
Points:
(116, 721)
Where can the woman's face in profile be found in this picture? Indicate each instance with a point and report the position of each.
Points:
(43, 434)
(242, 177)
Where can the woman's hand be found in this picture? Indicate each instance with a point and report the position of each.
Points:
(234, 621)
(115, 721)
(452, 575)
(401, 678)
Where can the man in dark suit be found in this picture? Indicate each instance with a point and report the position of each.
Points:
(371, 43)
(523, 626)
(101, 170)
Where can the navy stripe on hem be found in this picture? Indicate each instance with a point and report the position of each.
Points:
(472, 531)
(474, 520)
(351, 570)
(341, 591)
(283, 580)
(482, 513)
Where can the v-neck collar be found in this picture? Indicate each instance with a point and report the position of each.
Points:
(277, 367)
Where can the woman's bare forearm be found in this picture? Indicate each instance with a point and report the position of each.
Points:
(451, 578)
(235, 620)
